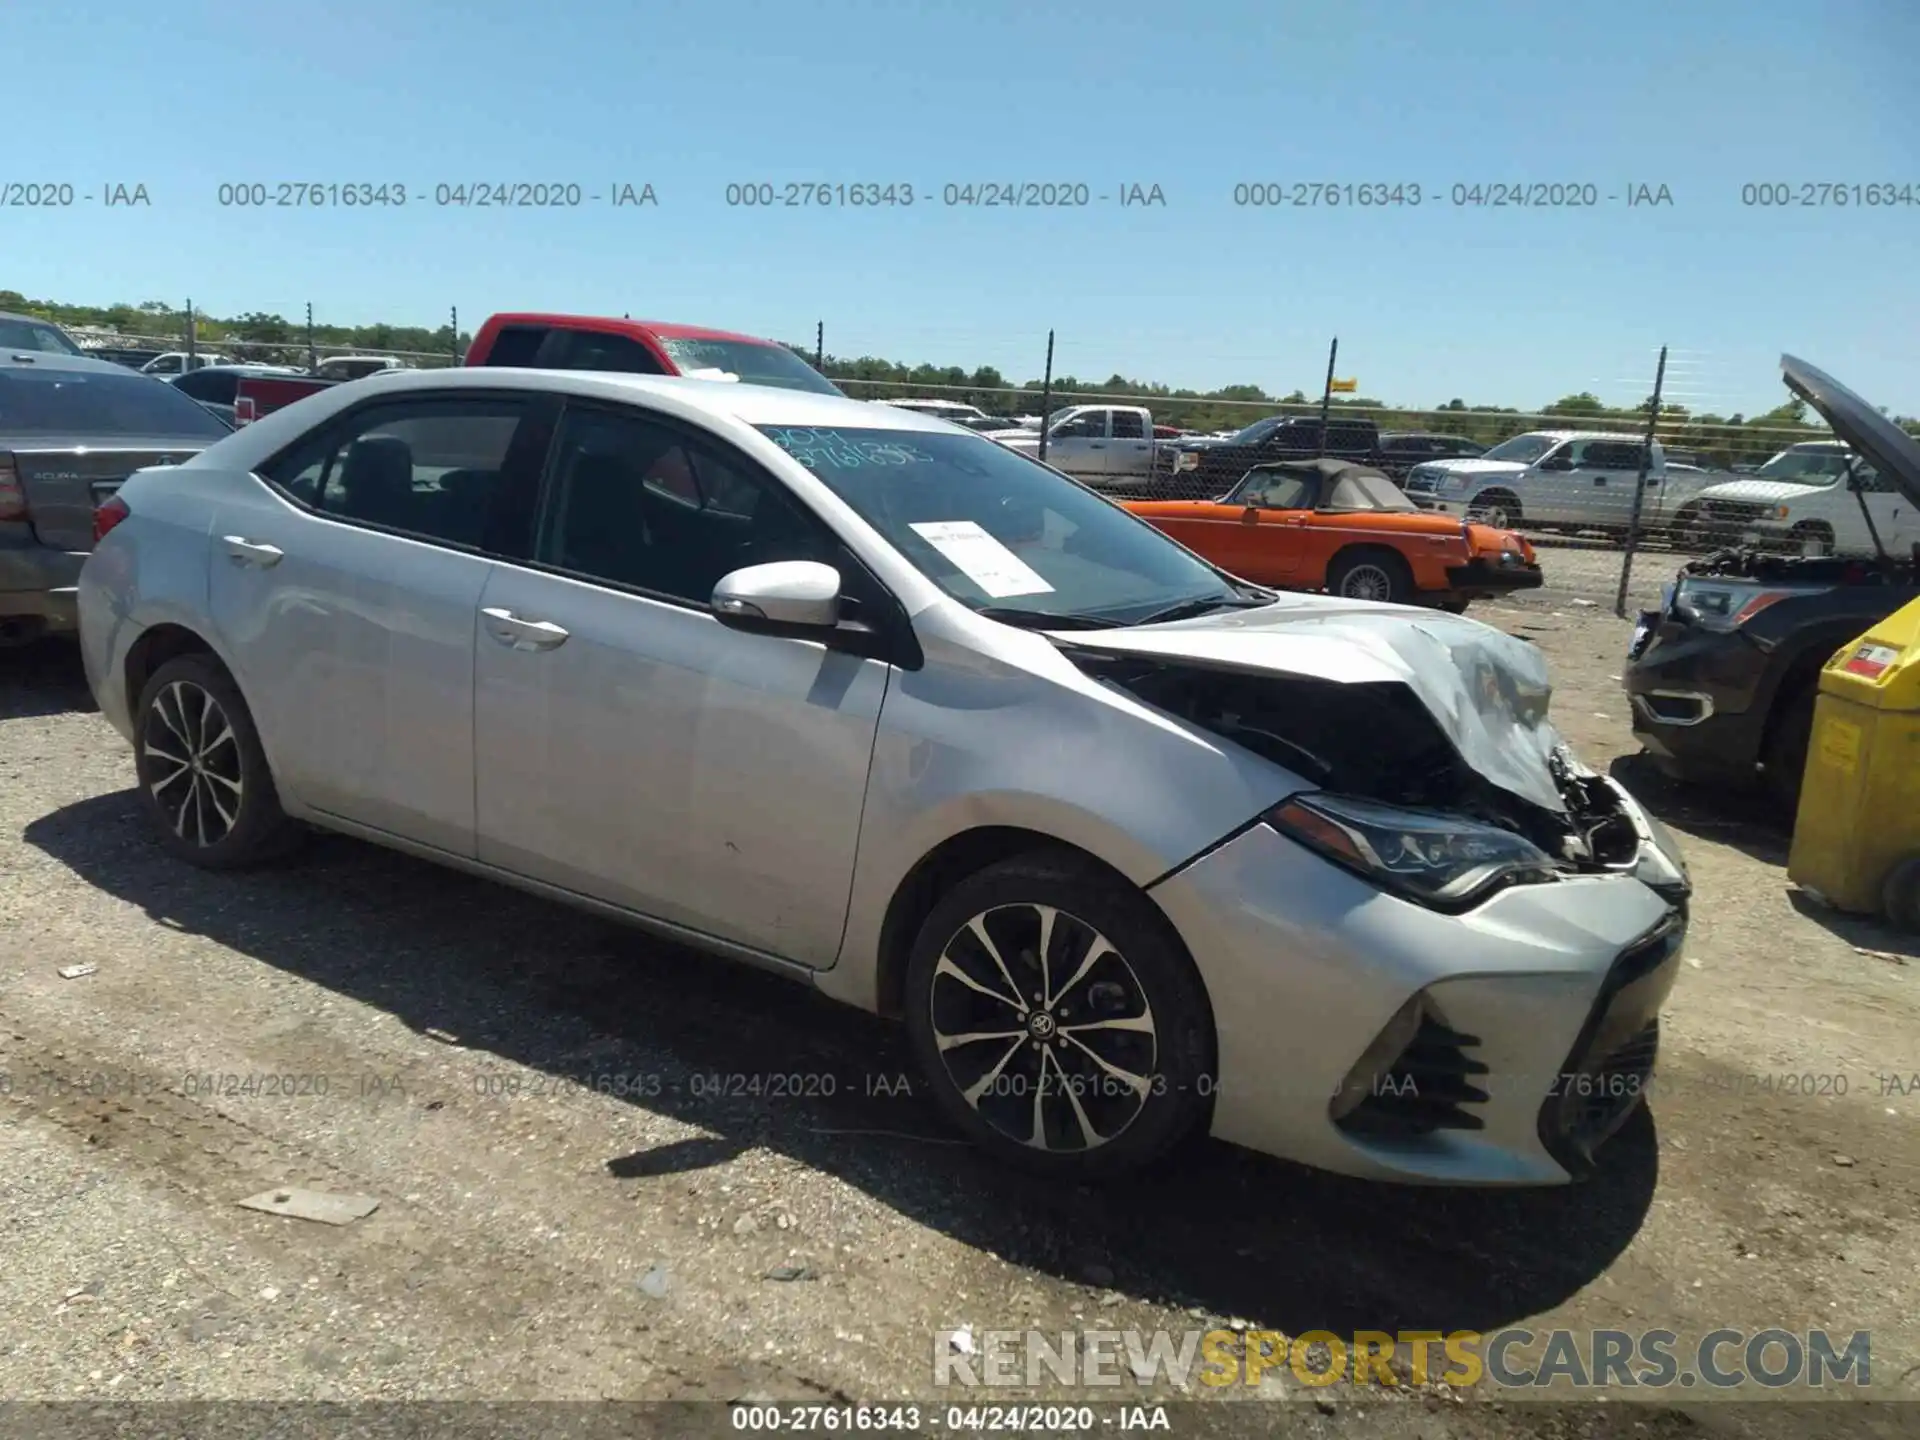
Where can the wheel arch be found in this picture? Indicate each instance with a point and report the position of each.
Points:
(957, 858)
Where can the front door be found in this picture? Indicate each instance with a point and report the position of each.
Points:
(1606, 476)
(632, 748)
(1079, 445)
(343, 590)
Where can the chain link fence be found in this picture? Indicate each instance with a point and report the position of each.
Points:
(1580, 470)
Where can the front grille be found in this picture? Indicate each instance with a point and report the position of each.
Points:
(1732, 512)
(1429, 1088)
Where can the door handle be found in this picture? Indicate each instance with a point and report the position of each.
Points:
(246, 552)
(519, 634)
(1097, 445)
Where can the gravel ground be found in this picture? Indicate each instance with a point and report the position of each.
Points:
(571, 1208)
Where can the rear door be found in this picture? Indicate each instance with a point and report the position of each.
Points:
(1130, 446)
(345, 586)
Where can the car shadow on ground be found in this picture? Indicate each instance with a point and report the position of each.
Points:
(535, 983)
(43, 678)
(1747, 821)
(1866, 933)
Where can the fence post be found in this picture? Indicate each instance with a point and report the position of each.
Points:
(192, 346)
(313, 355)
(1640, 487)
(1326, 395)
(453, 345)
(1046, 398)
(820, 346)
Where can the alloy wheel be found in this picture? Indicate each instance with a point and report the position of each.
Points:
(1044, 1028)
(189, 741)
(1367, 581)
(1494, 515)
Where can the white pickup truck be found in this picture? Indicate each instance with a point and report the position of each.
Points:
(1099, 444)
(1801, 498)
(1563, 479)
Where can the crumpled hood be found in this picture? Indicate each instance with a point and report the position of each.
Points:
(1488, 691)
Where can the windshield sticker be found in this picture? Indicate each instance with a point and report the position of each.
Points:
(983, 559)
(844, 449)
(710, 373)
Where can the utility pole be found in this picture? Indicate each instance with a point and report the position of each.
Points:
(1640, 486)
(1326, 395)
(1046, 399)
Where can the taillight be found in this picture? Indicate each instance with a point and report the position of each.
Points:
(13, 500)
(109, 513)
(243, 413)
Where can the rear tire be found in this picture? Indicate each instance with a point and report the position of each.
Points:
(204, 780)
(1498, 508)
(1369, 573)
(1784, 755)
(1900, 896)
(1026, 1087)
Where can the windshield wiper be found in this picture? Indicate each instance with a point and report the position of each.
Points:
(1206, 605)
(1042, 619)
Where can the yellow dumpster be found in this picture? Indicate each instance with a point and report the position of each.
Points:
(1856, 839)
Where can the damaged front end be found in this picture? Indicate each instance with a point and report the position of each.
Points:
(1460, 735)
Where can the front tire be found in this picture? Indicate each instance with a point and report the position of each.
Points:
(1058, 1019)
(204, 779)
(1784, 756)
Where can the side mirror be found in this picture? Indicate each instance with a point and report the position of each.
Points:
(1250, 516)
(786, 592)
(1557, 462)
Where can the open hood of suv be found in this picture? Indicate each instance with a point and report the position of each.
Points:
(1488, 691)
(1875, 438)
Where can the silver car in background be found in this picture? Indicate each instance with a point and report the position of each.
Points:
(1134, 849)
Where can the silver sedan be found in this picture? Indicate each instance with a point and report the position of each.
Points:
(1136, 850)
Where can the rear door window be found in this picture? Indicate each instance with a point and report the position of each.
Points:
(517, 345)
(596, 350)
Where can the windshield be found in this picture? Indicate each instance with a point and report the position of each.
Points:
(71, 402)
(750, 362)
(34, 336)
(1806, 467)
(1522, 448)
(998, 531)
(1258, 430)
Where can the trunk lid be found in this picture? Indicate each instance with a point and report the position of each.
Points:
(64, 479)
(1488, 691)
(1875, 438)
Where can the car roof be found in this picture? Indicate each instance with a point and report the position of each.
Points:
(661, 329)
(750, 404)
(48, 360)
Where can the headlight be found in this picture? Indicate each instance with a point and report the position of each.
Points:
(1782, 512)
(1444, 861)
(1186, 460)
(1453, 482)
(1725, 605)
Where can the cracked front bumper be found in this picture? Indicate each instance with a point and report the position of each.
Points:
(1551, 984)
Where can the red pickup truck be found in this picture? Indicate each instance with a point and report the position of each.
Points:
(586, 342)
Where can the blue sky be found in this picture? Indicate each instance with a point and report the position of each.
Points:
(1510, 306)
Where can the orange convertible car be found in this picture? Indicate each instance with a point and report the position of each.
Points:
(1346, 528)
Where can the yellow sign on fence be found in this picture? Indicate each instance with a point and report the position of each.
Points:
(1344, 387)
